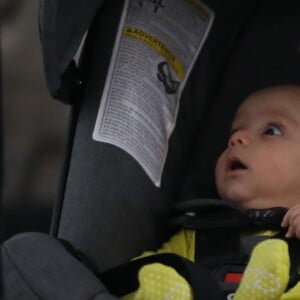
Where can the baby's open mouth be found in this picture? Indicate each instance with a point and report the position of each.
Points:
(236, 164)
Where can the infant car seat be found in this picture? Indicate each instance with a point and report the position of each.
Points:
(109, 210)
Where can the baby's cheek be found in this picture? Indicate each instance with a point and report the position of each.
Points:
(220, 165)
(273, 165)
(218, 176)
(275, 169)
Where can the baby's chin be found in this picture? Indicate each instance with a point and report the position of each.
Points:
(237, 198)
(247, 203)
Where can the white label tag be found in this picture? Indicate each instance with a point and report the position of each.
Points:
(156, 47)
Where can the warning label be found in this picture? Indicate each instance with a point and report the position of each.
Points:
(156, 47)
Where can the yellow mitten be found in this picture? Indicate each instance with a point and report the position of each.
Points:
(267, 273)
(158, 282)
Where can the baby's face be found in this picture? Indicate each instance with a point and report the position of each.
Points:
(260, 168)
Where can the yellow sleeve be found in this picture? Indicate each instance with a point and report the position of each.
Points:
(182, 243)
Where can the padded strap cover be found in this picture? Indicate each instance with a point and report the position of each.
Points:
(36, 266)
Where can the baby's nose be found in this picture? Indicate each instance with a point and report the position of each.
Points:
(238, 138)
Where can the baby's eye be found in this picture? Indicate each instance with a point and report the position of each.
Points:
(273, 130)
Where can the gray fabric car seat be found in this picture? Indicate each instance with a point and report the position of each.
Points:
(108, 209)
(109, 182)
(127, 213)
(28, 275)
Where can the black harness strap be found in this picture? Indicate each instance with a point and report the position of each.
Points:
(213, 243)
(123, 280)
(206, 279)
(219, 244)
(220, 250)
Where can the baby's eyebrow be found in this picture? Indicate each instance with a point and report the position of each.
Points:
(233, 129)
(238, 122)
(239, 118)
(283, 115)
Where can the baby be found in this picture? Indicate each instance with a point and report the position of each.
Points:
(260, 168)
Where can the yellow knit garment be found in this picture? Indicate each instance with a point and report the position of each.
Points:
(158, 281)
(266, 276)
(267, 273)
